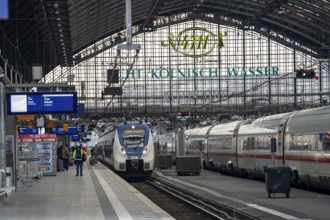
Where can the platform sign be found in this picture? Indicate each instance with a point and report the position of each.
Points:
(75, 138)
(25, 117)
(81, 128)
(61, 131)
(41, 103)
(28, 131)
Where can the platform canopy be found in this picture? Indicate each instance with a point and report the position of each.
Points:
(50, 32)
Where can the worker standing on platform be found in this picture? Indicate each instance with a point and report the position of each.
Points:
(66, 156)
(78, 156)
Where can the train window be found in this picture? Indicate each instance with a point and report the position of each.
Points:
(193, 145)
(227, 143)
(258, 143)
(221, 143)
(244, 144)
(326, 141)
(251, 143)
(302, 142)
(267, 142)
(262, 143)
(133, 137)
(248, 143)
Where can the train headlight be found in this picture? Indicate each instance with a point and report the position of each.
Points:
(144, 151)
(123, 151)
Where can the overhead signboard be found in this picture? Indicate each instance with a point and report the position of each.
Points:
(25, 117)
(41, 103)
(28, 130)
(61, 131)
(75, 138)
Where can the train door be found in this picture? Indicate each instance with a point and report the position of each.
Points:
(235, 146)
(207, 160)
(280, 144)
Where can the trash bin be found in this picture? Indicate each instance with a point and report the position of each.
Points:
(9, 177)
(188, 164)
(278, 179)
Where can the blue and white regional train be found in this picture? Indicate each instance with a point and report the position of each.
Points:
(244, 147)
(128, 150)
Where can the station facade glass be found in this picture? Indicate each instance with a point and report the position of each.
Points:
(198, 66)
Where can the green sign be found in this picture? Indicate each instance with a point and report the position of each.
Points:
(260, 71)
(195, 42)
(203, 73)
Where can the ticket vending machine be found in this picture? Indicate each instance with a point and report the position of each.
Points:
(37, 154)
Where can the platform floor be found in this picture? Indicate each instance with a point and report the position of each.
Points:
(250, 196)
(98, 194)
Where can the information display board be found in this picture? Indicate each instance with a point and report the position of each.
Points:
(61, 131)
(75, 138)
(41, 103)
(4, 9)
(28, 130)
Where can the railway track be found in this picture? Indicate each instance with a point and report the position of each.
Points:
(180, 205)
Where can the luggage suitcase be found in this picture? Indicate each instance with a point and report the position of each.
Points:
(60, 166)
(91, 161)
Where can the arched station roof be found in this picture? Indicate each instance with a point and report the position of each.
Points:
(51, 32)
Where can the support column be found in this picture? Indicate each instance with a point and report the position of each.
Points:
(2, 137)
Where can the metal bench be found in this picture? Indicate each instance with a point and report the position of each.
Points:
(7, 191)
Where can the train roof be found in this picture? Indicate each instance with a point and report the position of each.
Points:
(199, 132)
(164, 137)
(224, 129)
(266, 124)
(316, 120)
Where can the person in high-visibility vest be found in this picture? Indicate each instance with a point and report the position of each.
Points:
(79, 156)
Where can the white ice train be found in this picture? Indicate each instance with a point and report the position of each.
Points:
(128, 150)
(301, 140)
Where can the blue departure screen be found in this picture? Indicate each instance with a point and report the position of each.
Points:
(75, 138)
(28, 131)
(58, 102)
(34, 103)
(60, 131)
(42, 103)
(4, 9)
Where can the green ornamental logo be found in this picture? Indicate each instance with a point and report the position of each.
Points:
(195, 42)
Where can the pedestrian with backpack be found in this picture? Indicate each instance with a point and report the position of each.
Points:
(78, 157)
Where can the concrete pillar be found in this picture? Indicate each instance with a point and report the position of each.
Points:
(2, 137)
(180, 146)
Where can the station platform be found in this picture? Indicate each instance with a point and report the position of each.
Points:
(98, 194)
(249, 196)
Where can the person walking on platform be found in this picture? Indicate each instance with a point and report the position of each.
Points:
(59, 159)
(78, 156)
(66, 156)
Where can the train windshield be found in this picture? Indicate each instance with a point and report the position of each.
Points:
(133, 137)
